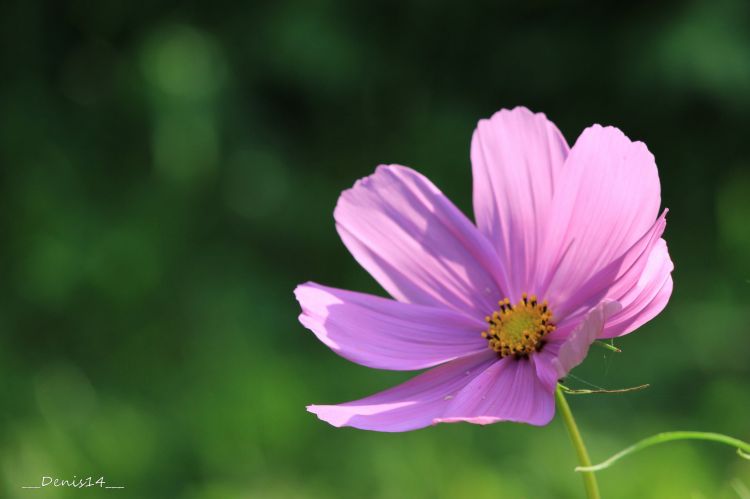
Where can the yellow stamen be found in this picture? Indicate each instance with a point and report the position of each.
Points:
(519, 329)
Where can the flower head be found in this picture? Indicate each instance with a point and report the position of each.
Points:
(566, 249)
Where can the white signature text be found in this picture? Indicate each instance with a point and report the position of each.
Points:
(73, 483)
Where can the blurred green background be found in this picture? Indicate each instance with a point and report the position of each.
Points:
(169, 172)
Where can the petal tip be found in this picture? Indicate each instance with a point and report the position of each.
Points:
(320, 412)
(517, 111)
(299, 289)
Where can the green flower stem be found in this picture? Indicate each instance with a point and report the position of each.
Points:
(589, 479)
(743, 448)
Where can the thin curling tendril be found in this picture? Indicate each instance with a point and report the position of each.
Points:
(743, 448)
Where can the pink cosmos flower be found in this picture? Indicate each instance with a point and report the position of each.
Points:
(566, 249)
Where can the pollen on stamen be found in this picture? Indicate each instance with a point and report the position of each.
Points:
(519, 329)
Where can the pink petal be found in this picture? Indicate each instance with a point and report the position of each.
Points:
(573, 344)
(386, 334)
(605, 202)
(576, 346)
(615, 280)
(509, 390)
(411, 405)
(647, 297)
(516, 157)
(546, 370)
(416, 243)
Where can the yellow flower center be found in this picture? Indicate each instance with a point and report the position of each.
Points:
(519, 329)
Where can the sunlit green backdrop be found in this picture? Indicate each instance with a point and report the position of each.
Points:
(169, 172)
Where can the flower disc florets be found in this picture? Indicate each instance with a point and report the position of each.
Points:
(519, 329)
